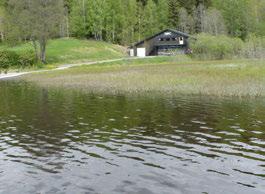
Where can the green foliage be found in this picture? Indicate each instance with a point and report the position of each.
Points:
(35, 20)
(128, 21)
(238, 15)
(8, 59)
(11, 59)
(216, 47)
(224, 47)
(173, 10)
(150, 21)
(254, 47)
(26, 59)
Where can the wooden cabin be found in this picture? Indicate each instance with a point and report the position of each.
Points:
(167, 42)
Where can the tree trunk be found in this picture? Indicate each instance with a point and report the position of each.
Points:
(139, 30)
(35, 46)
(113, 30)
(2, 37)
(67, 26)
(43, 43)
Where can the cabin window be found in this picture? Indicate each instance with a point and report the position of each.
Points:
(181, 40)
(161, 39)
(168, 39)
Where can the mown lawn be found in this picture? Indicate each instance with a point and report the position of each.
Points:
(163, 75)
(60, 51)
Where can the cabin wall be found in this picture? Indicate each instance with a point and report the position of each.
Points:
(171, 41)
(168, 41)
(149, 45)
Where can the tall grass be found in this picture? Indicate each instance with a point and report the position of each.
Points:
(217, 78)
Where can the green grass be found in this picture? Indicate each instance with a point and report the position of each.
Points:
(163, 75)
(60, 51)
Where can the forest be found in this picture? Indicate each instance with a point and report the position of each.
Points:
(128, 21)
(125, 22)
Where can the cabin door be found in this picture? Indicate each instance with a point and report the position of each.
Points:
(141, 52)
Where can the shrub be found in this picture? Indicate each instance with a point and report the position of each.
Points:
(10, 59)
(26, 59)
(224, 47)
(216, 47)
(254, 47)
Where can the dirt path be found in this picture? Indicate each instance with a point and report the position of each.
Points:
(61, 67)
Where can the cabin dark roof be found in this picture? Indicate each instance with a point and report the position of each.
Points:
(167, 30)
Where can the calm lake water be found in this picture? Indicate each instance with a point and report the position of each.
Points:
(55, 141)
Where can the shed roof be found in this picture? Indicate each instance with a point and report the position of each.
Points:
(167, 30)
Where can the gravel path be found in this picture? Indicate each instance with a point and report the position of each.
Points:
(61, 67)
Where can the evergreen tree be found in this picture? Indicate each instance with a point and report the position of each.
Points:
(173, 11)
(150, 22)
(78, 18)
(162, 14)
(140, 20)
(130, 21)
(238, 16)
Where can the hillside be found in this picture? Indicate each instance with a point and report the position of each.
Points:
(72, 50)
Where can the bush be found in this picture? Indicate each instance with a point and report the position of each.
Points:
(224, 47)
(254, 47)
(26, 60)
(10, 59)
(216, 47)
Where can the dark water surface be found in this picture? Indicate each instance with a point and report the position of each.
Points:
(64, 142)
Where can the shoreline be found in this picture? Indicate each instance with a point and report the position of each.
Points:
(12, 75)
(60, 67)
(211, 78)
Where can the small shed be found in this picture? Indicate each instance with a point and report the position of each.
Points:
(167, 42)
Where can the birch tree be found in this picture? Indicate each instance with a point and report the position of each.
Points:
(213, 22)
(184, 20)
(36, 20)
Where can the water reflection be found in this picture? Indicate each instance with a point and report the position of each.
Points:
(54, 141)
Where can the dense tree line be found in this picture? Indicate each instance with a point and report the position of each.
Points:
(126, 21)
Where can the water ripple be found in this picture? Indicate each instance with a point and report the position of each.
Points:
(57, 141)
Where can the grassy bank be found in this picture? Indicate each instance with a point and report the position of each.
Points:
(164, 75)
(61, 51)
